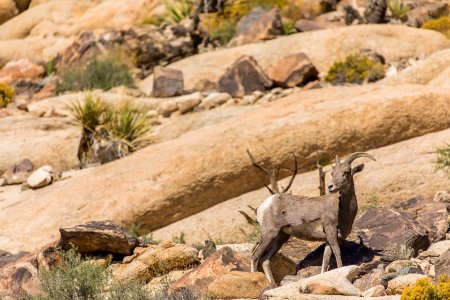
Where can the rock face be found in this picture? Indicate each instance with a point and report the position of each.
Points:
(19, 70)
(292, 70)
(433, 216)
(202, 72)
(18, 173)
(235, 284)
(363, 115)
(243, 78)
(258, 25)
(196, 282)
(98, 236)
(167, 83)
(150, 262)
(383, 227)
(443, 264)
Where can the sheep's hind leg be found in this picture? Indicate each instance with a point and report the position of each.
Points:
(273, 248)
(260, 249)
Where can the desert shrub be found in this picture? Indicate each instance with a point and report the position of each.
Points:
(443, 158)
(179, 239)
(6, 95)
(355, 69)
(102, 72)
(154, 20)
(442, 25)
(289, 27)
(129, 291)
(89, 114)
(424, 289)
(398, 9)
(74, 278)
(178, 10)
(220, 29)
(50, 66)
(242, 8)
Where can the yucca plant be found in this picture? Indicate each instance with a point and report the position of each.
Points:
(129, 126)
(178, 10)
(89, 113)
(399, 10)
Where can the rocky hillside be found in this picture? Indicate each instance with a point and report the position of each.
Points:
(126, 126)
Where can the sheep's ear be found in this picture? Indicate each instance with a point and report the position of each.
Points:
(357, 169)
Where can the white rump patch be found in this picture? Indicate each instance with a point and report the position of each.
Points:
(263, 207)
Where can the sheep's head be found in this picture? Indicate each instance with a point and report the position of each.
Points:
(342, 173)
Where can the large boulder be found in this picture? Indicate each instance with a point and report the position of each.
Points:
(359, 118)
(386, 181)
(98, 236)
(195, 283)
(292, 70)
(323, 47)
(258, 25)
(244, 77)
(398, 284)
(383, 228)
(55, 141)
(23, 69)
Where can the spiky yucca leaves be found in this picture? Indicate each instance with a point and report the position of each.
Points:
(89, 113)
(178, 10)
(398, 9)
(129, 126)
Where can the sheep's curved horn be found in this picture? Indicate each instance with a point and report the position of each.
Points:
(356, 155)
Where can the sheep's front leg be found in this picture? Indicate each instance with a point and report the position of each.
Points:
(332, 239)
(326, 258)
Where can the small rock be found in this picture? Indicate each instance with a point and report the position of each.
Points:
(304, 25)
(167, 107)
(425, 11)
(41, 177)
(214, 100)
(369, 280)
(376, 291)
(238, 284)
(334, 282)
(258, 25)
(436, 249)
(398, 284)
(292, 70)
(98, 236)
(442, 196)
(18, 70)
(443, 264)
(167, 82)
(395, 266)
(244, 77)
(188, 102)
(248, 99)
(18, 173)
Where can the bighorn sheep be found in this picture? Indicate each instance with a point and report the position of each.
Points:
(326, 218)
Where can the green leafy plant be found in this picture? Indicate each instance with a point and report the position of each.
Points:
(179, 239)
(443, 158)
(441, 25)
(6, 95)
(355, 69)
(129, 291)
(289, 27)
(50, 66)
(102, 72)
(424, 289)
(157, 21)
(178, 10)
(399, 10)
(90, 113)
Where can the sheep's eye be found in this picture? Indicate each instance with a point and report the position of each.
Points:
(346, 173)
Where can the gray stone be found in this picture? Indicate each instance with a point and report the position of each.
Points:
(167, 82)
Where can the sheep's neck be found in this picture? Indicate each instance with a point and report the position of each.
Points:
(348, 207)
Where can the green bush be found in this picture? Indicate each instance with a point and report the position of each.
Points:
(442, 25)
(424, 289)
(399, 10)
(289, 27)
(102, 72)
(81, 279)
(6, 95)
(443, 158)
(224, 31)
(355, 69)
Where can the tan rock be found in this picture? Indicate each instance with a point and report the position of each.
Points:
(187, 103)
(376, 291)
(41, 177)
(436, 249)
(195, 283)
(20, 70)
(292, 70)
(391, 41)
(214, 100)
(8, 10)
(54, 141)
(373, 116)
(235, 284)
(394, 266)
(442, 196)
(398, 284)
